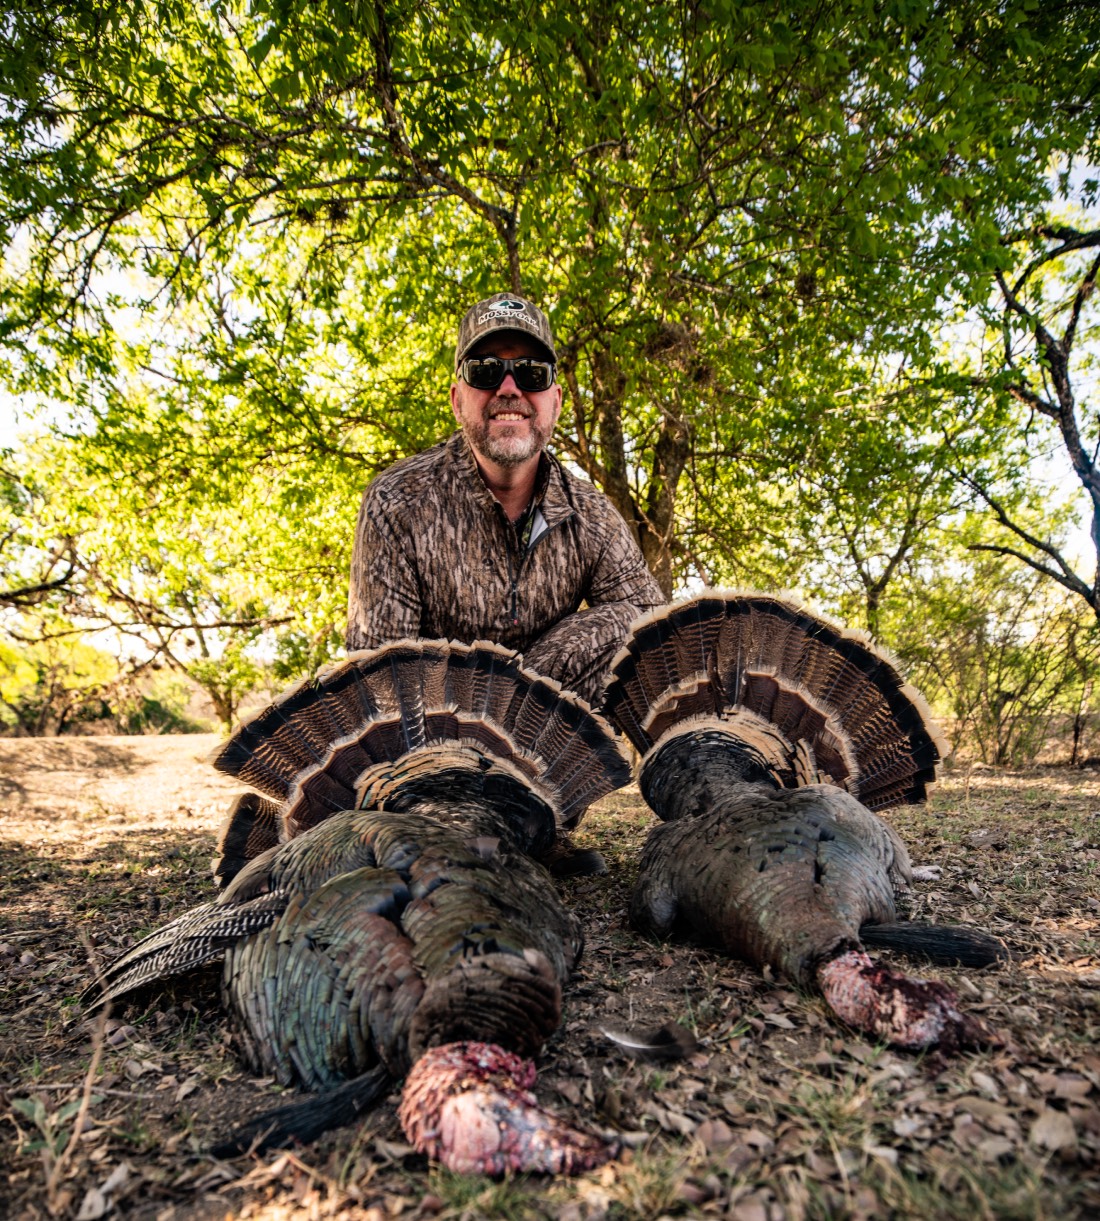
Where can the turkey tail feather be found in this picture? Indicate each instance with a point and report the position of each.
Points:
(252, 826)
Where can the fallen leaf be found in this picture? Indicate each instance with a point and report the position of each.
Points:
(1054, 1131)
(680, 1123)
(988, 837)
(62, 1203)
(569, 1090)
(670, 1120)
(985, 1083)
(117, 1178)
(1086, 1119)
(820, 1167)
(611, 1104)
(694, 1194)
(634, 1140)
(264, 1174)
(714, 1134)
(752, 1208)
(188, 1087)
(392, 1150)
(984, 1109)
(966, 1132)
(1071, 1087)
(994, 1148)
(98, 1201)
(93, 1206)
(138, 1068)
(883, 1153)
(739, 1158)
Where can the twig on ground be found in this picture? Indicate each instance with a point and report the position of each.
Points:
(99, 1040)
(79, 1085)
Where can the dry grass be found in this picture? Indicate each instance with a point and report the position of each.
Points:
(781, 1114)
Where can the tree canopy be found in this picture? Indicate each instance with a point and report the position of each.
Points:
(795, 258)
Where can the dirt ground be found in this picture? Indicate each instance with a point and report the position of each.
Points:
(780, 1113)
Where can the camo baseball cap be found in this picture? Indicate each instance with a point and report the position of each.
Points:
(503, 312)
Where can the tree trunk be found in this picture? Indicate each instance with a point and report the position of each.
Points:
(654, 524)
(658, 535)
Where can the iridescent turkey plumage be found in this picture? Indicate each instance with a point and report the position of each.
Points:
(381, 894)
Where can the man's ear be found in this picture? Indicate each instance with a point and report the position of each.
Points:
(454, 401)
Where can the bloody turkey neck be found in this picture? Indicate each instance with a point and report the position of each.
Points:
(398, 920)
(767, 732)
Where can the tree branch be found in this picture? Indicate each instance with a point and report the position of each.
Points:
(1084, 291)
(1064, 574)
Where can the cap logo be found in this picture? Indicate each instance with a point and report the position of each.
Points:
(505, 309)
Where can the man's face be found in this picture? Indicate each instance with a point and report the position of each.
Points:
(507, 425)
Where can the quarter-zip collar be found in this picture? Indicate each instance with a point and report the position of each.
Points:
(552, 496)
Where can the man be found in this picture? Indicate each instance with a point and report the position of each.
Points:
(486, 536)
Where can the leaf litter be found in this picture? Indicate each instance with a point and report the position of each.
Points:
(769, 1111)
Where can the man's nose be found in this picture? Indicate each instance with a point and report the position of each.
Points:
(508, 387)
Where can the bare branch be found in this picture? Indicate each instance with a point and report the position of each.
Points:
(1063, 573)
(1084, 291)
(31, 595)
(1071, 582)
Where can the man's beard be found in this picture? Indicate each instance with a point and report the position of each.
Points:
(505, 449)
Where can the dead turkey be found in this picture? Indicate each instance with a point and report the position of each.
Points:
(769, 736)
(383, 911)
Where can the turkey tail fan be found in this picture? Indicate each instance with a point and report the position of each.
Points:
(252, 826)
(337, 741)
(833, 696)
(270, 750)
(418, 672)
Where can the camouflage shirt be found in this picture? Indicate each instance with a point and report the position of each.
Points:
(435, 556)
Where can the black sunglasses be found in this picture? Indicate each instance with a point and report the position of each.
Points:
(488, 372)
